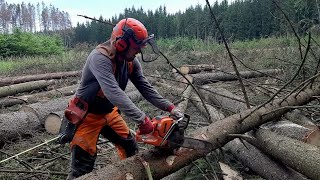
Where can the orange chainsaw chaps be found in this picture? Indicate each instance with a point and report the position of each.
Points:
(161, 126)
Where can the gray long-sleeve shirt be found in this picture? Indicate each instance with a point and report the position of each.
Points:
(98, 74)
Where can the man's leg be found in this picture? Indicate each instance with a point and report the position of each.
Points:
(81, 162)
(84, 145)
(118, 133)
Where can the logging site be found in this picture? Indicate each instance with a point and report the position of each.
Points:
(179, 90)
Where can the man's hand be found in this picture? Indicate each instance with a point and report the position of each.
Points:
(146, 127)
(176, 112)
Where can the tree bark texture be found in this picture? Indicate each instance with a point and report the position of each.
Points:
(305, 158)
(33, 98)
(162, 164)
(20, 79)
(193, 69)
(24, 87)
(223, 98)
(17, 125)
(260, 163)
(206, 78)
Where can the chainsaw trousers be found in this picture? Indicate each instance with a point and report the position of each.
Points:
(84, 143)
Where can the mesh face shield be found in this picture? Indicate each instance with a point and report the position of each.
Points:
(149, 49)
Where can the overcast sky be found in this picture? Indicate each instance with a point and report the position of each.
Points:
(109, 8)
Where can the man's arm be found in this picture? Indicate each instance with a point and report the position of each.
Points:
(147, 91)
(101, 68)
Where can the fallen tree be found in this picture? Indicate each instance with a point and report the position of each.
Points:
(24, 87)
(217, 133)
(263, 165)
(206, 78)
(193, 69)
(300, 156)
(33, 98)
(20, 79)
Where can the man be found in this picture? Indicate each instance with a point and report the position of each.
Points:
(100, 97)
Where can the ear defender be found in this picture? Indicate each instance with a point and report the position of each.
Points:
(122, 43)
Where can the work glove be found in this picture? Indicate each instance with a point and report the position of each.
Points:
(146, 127)
(177, 113)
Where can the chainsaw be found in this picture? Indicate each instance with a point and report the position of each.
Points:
(169, 133)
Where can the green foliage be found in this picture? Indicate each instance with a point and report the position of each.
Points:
(27, 44)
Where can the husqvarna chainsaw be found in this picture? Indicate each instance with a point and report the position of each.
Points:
(169, 133)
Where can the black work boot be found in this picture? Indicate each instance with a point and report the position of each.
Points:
(81, 162)
(67, 131)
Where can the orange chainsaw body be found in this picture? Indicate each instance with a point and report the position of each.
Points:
(161, 125)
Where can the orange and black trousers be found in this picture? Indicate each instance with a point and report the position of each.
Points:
(84, 143)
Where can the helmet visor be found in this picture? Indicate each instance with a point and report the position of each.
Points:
(149, 49)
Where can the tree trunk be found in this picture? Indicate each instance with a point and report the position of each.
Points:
(24, 87)
(305, 158)
(33, 98)
(193, 69)
(295, 131)
(260, 163)
(213, 112)
(20, 79)
(223, 98)
(43, 109)
(17, 125)
(221, 76)
(162, 164)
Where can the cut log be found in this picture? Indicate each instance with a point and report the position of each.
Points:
(43, 109)
(20, 79)
(223, 98)
(186, 96)
(213, 112)
(182, 82)
(193, 69)
(229, 173)
(206, 78)
(296, 116)
(305, 158)
(17, 125)
(217, 133)
(33, 98)
(53, 121)
(295, 131)
(260, 163)
(24, 87)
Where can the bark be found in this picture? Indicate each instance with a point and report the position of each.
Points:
(295, 131)
(296, 116)
(20, 79)
(42, 109)
(186, 96)
(24, 87)
(223, 98)
(305, 158)
(162, 164)
(229, 173)
(17, 125)
(33, 98)
(193, 69)
(181, 81)
(213, 112)
(260, 163)
(222, 76)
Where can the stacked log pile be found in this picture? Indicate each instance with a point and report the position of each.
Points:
(274, 141)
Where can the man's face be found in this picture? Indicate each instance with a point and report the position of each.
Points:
(131, 53)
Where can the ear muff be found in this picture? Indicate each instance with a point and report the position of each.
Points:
(123, 43)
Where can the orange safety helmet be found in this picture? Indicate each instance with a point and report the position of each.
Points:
(129, 32)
